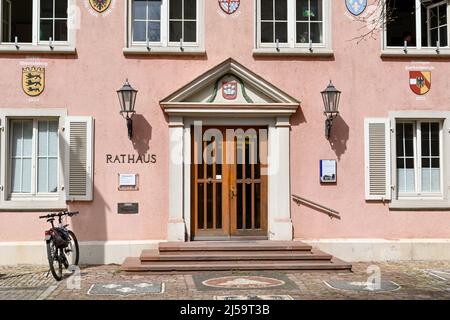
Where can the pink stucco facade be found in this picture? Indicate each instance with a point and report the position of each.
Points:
(85, 84)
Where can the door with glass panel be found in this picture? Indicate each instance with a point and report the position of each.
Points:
(229, 184)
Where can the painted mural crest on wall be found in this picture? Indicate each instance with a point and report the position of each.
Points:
(100, 5)
(356, 7)
(33, 80)
(229, 6)
(420, 82)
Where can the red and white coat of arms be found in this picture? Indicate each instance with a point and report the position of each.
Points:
(230, 90)
(229, 6)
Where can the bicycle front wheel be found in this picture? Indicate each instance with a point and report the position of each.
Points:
(54, 261)
(72, 251)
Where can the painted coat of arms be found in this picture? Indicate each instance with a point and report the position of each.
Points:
(229, 6)
(420, 81)
(33, 80)
(356, 7)
(229, 90)
(100, 5)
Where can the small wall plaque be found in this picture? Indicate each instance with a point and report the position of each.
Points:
(128, 208)
(128, 182)
(328, 171)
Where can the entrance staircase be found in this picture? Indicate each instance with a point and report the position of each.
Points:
(233, 255)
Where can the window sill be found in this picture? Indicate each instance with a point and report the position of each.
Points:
(316, 52)
(419, 204)
(32, 204)
(37, 49)
(190, 51)
(415, 53)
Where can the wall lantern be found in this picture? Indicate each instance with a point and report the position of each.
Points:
(127, 98)
(330, 97)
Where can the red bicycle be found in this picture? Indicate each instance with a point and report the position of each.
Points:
(62, 244)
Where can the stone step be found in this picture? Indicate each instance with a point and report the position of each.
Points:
(218, 246)
(155, 255)
(135, 265)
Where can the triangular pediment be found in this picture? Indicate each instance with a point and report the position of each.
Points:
(229, 83)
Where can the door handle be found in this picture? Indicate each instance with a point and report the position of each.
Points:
(233, 192)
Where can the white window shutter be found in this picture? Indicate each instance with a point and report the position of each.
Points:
(79, 134)
(377, 158)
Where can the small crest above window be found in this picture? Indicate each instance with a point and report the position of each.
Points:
(229, 6)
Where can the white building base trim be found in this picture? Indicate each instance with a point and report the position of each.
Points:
(368, 250)
(91, 252)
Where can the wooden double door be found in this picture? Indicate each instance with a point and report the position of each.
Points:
(229, 183)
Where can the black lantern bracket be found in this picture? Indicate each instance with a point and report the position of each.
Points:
(127, 98)
(331, 98)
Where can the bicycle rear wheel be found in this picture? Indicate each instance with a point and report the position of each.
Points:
(72, 251)
(54, 261)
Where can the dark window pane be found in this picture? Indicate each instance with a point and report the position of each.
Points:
(190, 31)
(435, 139)
(248, 166)
(154, 10)
(190, 9)
(239, 206)
(139, 9)
(316, 10)
(21, 12)
(200, 209)
(404, 25)
(267, 32)
(443, 37)
(302, 32)
(248, 206)
(175, 33)
(435, 163)
(425, 162)
(60, 8)
(46, 8)
(46, 30)
(316, 32)
(60, 30)
(280, 9)
(400, 163)
(218, 205)
(302, 10)
(257, 206)
(209, 199)
(266, 9)
(139, 31)
(176, 8)
(281, 32)
(410, 163)
(399, 139)
(409, 148)
(154, 31)
(409, 131)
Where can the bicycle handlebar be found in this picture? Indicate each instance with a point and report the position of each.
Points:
(59, 214)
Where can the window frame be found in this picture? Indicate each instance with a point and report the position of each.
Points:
(37, 45)
(164, 46)
(429, 202)
(417, 149)
(292, 46)
(30, 201)
(417, 50)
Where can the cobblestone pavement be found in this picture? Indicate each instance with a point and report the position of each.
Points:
(30, 282)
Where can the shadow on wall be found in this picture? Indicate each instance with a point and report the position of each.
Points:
(339, 136)
(142, 134)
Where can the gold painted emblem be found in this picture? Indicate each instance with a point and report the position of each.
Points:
(100, 5)
(33, 80)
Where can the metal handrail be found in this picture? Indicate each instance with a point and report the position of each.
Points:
(329, 211)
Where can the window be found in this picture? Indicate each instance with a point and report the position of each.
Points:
(417, 24)
(34, 149)
(293, 24)
(171, 23)
(419, 158)
(34, 22)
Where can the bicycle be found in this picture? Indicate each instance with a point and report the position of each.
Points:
(62, 244)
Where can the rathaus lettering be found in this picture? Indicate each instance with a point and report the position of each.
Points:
(131, 158)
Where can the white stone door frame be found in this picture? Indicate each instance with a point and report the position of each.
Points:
(279, 209)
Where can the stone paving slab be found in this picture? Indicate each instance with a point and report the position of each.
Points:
(29, 282)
